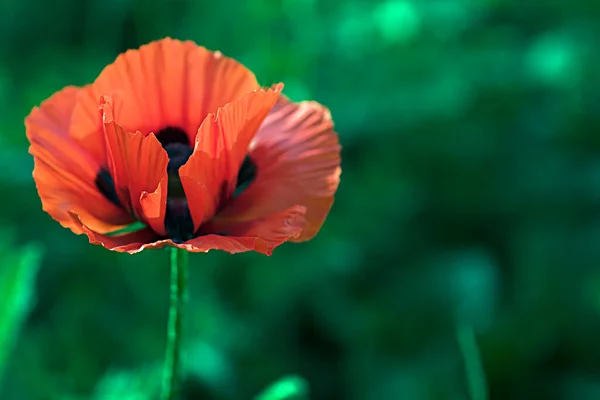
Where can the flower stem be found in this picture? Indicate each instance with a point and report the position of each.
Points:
(171, 382)
(475, 374)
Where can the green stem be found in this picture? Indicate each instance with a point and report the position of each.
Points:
(474, 371)
(171, 382)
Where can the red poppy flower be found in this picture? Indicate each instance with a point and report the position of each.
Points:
(185, 141)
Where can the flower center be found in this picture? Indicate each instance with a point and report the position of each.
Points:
(172, 134)
(178, 154)
(178, 219)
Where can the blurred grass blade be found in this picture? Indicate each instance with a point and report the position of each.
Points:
(287, 388)
(136, 384)
(18, 269)
(140, 384)
(476, 381)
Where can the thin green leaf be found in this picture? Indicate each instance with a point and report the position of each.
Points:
(136, 226)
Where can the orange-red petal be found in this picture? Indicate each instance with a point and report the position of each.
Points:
(261, 235)
(64, 172)
(132, 242)
(210, 174)
(165, 83)
(297, 156)
(86, 126)
(138, 165)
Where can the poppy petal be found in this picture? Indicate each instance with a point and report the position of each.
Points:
(209, 176)
(64, 173)
(138, 165)
(86, 125)
(261, 235)
(166, 83)
(297, 158)
(132, 242)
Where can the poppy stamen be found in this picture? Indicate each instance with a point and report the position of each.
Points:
(178, 154)
(172, 134)
(178, 219)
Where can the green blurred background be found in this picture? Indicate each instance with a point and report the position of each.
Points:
(470, 195)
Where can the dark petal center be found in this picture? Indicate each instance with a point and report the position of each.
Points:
(172, 134)
(106, 185)
(178, 219)
(178, 154)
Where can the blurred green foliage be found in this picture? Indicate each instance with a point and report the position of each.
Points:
(18, 268)
(470, 192)
(287, 388)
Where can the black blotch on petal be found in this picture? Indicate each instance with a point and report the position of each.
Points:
(246, 176)
(106, 185)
